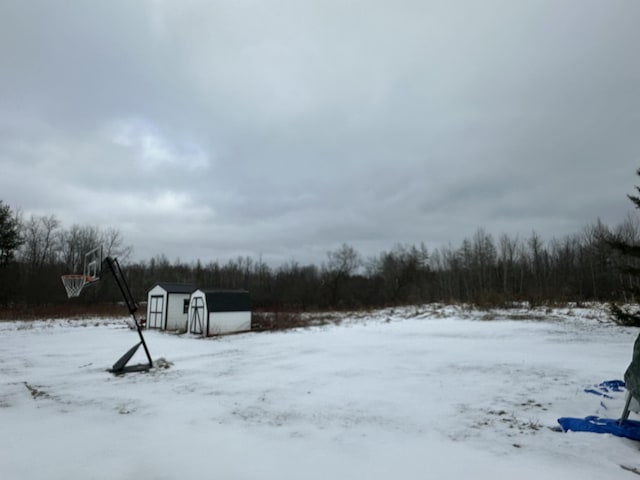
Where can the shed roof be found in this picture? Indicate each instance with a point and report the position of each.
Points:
(221, 300)
(174, 287)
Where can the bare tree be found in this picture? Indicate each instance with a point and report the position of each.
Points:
(39, 234)
(342, 263)
(507, 254)
(484, 261)
(113, 244)
(75, 243)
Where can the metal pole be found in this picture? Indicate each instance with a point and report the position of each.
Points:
(114, 266)
(625, 411)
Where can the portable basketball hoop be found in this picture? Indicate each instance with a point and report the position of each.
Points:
(93, 269)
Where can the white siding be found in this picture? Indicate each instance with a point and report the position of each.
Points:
(156, 303)
(227, 322)
(197, 312)
(176, 318)
(203, 321)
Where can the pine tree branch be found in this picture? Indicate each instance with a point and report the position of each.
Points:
(625, 317)
(629, 270)
(623, 247)
(635, 200)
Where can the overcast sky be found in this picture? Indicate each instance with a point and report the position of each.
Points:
(282, 129)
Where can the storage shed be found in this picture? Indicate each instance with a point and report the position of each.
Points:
(168, 306)
(215, 312)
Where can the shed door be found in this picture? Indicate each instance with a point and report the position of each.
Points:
(156, 310)
(197, 315)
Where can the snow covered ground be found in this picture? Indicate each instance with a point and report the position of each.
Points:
(435, 392)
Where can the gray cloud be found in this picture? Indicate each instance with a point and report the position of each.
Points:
(285, 128)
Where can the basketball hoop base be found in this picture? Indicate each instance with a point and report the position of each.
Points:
(121, 367)
(140, 367)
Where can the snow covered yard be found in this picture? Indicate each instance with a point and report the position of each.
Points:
(402, 394)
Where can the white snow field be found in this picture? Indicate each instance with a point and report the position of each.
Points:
(415, 393)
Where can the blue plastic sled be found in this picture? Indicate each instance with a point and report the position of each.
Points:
(628, 428)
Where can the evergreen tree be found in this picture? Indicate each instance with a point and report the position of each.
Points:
(9, 234)
(629, 254)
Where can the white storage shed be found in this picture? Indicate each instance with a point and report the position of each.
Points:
(168, 306)
(216, 312)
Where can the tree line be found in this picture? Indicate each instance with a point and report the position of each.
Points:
(483, 270)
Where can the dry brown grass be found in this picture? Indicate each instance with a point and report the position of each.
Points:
(276, 320)
(69, 311)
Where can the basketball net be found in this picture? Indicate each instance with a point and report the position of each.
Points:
(74, 283)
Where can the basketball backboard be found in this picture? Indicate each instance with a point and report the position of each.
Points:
(93, 264)
(75, 282)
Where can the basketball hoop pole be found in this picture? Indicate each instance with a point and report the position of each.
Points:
(120, 366)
